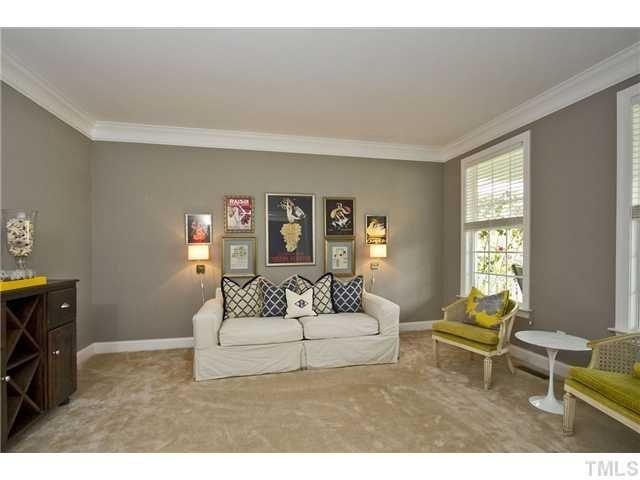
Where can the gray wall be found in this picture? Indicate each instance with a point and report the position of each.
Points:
(573, 218)
(45, 167)
(145, 288)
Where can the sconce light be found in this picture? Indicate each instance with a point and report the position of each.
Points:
(195, 253)
(376, 251)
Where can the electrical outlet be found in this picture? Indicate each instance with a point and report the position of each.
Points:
(200, 269)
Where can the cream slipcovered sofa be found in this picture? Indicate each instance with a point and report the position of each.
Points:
(253, 346)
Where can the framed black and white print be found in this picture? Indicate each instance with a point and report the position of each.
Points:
(339, 216)
(290, 225)
(376, 229)
(239, 256)
(340, 257)
(197, 228)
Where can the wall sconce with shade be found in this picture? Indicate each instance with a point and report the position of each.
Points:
(198, 253)
(376, 251)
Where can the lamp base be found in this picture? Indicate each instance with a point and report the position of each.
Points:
(374, 266)
(200, 273)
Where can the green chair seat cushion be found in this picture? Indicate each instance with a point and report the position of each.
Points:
(621, 388)
(482, 335)
(601, 399)
(464, 342)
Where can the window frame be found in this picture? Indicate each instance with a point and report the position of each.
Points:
(624, 220)
(524, 140)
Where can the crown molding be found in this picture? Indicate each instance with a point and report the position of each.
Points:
(241, 140)
(38, 90)
(602, 75)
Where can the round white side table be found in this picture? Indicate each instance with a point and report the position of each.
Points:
(553, 342)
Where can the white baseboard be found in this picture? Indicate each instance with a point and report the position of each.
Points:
(537, 361)
(531, 359)
(415, 326)
(133, 346)
(85, 354)
(185, 342)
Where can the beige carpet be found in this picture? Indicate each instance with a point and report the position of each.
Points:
(147, 402)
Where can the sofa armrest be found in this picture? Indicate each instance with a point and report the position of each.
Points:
(206, 323)
(385, 311)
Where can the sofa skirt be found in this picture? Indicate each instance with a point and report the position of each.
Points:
(342, 352)
(233, 361)
(221, 362)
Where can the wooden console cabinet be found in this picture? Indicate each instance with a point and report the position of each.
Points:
(37, 354)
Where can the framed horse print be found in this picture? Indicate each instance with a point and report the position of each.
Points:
(339, 216)
(290, 224)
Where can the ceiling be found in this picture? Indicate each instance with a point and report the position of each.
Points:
(407, 86)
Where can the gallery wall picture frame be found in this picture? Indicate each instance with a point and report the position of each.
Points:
(290, 229)
(339, 216)
(376, 229)
(239, 214)
(239, 256)
(198, 228)
(340, 256)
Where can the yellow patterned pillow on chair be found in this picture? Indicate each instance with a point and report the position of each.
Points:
(486, 310)
(636, 369)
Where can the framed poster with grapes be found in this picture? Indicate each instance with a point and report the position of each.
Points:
(290, 224)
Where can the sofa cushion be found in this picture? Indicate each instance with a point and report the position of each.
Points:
(259, 331)
(347, 296)
(274, 301)
(339, 325)
(470, 332)
(621, 388)
(322, 302)
(240, 302)
(299, 305)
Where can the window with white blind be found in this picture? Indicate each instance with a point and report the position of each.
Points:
(495, 220)
(628, 211)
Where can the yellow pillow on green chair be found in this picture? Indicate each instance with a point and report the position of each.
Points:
(486, 310)
(636, 369)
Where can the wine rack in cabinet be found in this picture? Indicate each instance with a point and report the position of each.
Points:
(37, 354)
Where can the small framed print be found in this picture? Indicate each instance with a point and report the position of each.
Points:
(197, 228)
(340, 257)
(339, 216)
(376, 229)
(238, 214)
(239, 256)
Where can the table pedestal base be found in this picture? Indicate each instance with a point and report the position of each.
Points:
(548, 404)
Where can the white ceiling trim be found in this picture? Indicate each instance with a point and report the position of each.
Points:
(37, 89)
(610, 71)
(240, 140)
(602, 75)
